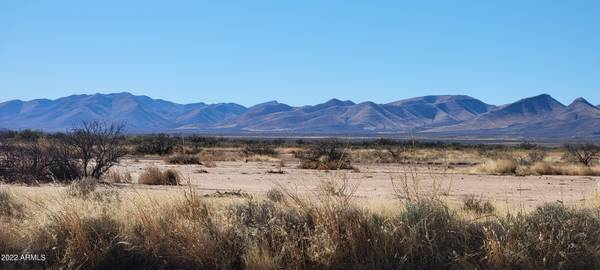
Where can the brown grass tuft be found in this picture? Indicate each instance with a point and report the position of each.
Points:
(500, 166)
(9, 207)
(154, 176)
(116, 176)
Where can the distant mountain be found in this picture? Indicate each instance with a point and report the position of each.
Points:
(444, 115)
(140, 113)
(443, 110)
(539, 116)
(523, 111)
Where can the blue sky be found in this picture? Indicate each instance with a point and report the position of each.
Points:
(300, 52)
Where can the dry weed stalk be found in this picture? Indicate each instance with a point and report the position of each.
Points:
(409, 186)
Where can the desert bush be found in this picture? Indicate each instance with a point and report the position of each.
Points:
(500, 166)
(326, 155)
(97, 145)
(430, 227)
(39, 161)
(544, 168)
(536, 156)
(552, 237)
(582, 153)
(186, 235)
(398, 152)
(158, 144)
(154, 176)
(76, 240)
(478, 205)
(115, 176)
(89, 150)
(184, 159)
(532, 157)
(275, 195)
(9, 207)
(259, 149)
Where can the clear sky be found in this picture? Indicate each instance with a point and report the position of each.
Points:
(300, 52)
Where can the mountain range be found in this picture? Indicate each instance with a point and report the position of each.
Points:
(444, 115)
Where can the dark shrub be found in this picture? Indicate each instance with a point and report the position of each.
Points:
(326, 155)
(184, 159)
(583, 153)
(259, 149)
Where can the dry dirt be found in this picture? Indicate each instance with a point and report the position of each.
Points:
(375, 181)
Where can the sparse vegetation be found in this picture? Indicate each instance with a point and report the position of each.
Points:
(520, 167)
(82, 188)
(98, 146)
(116, 176)
(254, 150)
(326, 232)
(275, 195)
(154, 176)
(184, 159)
(500, 166)
(157, 144)
(90, 150)
(478, 205)
(89, 225)
(325, 155)
(583, 153)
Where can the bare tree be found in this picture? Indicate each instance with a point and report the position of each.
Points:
(98, 146)
(583, 153)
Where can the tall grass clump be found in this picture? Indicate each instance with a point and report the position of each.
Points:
(9, 207)
(115, 176)
(154, 176)
(499, 166)
(478, 206)
(82, 187)
(553, 236)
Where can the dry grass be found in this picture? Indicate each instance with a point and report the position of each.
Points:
(326, 231)
(547, 168)
(9, 207)
(222, 154)
(183, 159)
(478, 205)
(512, 166)
(500, 166)
(116, 176)
(154, 176)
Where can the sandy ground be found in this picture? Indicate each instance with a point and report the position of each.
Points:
(375, 181)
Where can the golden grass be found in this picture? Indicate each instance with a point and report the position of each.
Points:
(547, 168)
(327, 230)
(500, 166)
(154, 176)
(117, 176)
(511, 166)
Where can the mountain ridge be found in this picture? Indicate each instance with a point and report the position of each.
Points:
(433, 114)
